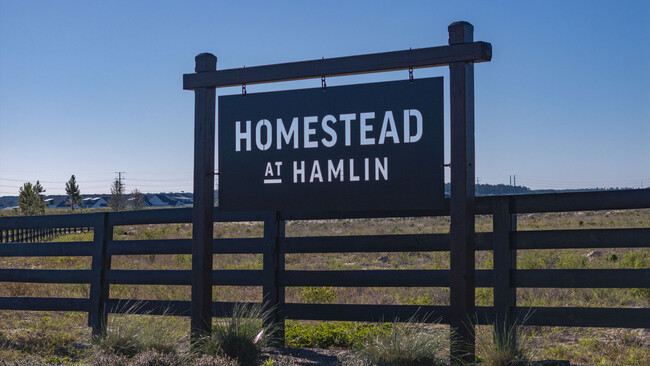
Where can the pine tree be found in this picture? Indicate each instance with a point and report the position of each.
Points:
(117, 201)
(30, 199)
(38, 189)
(74, 195)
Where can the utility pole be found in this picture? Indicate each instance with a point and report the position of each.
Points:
(119, 177)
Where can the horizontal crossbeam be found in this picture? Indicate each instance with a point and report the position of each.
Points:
(339, 66)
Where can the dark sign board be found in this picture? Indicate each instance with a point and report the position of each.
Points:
(357, 147)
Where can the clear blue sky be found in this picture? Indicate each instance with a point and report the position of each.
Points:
(95, 87)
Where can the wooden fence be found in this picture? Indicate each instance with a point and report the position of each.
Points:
(505, 240)
(34, 235)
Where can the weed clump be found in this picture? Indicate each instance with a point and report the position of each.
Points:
(242, 336)
(127, 336)
(507, 347)
(405, 344)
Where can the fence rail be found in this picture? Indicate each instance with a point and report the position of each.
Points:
(20, 237)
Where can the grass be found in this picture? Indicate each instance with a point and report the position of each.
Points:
(60, 336)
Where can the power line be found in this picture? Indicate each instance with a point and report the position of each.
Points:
(50, 181)
(158, 180)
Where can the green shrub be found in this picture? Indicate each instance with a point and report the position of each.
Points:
(332, 334)
(317, 295)
(236, 337)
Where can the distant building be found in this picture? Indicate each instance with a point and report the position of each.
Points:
(157, 200)
(94, 202)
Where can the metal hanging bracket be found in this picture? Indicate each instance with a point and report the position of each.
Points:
(243, 90)
(322, 82)
(411, 75)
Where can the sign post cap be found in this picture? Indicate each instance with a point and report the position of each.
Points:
(461, 32)
(205, 62)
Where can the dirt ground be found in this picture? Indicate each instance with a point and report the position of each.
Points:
(306, 356)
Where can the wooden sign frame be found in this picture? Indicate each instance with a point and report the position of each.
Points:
(460, 55)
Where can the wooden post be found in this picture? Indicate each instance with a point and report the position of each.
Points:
(202, 212)
(273, 291)
(461, 75)
(99, 289)
(505, 261)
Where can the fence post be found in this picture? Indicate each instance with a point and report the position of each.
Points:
(505, 262)
(273, 289)
(203, 210)
(461, 114)
(97, 314)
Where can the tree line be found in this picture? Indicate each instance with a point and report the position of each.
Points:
(31, 200)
